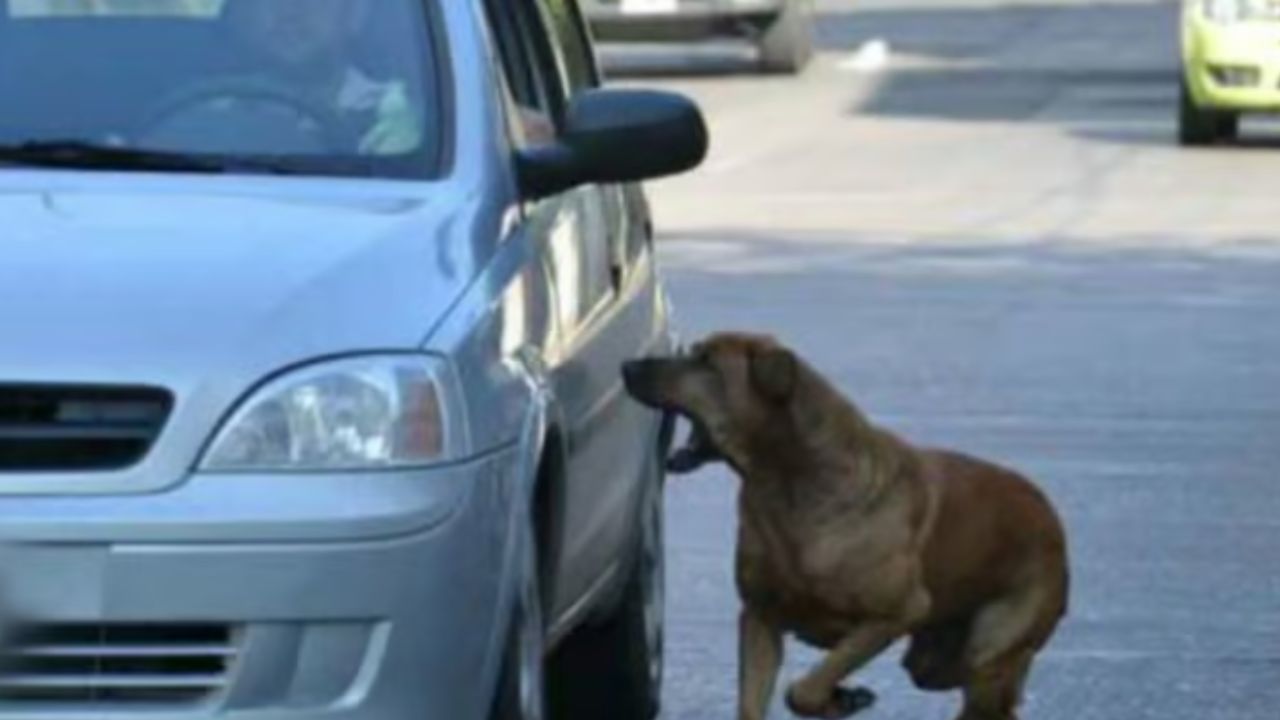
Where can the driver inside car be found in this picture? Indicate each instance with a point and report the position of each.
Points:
(308, 47)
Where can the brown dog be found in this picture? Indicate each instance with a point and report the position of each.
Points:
(850, 538)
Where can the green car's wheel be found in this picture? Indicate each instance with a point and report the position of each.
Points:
(1198, 126)
(1228, 126)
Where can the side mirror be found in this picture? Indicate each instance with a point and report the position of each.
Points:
(617, 136)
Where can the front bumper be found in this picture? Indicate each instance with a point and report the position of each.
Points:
(405, 626)
(1209, 49)
(641, 20)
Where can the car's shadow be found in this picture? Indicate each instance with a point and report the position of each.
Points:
(1254, 139)
(711, 60)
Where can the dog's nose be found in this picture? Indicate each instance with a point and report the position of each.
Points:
(638, 375)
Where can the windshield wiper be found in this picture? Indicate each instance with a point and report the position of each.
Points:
(94, 156)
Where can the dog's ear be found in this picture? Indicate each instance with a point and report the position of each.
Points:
(774, 371)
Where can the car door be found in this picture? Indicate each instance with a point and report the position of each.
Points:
(585, 236)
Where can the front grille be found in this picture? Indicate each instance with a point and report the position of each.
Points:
(103, 666)
(70, 429)
(1235, 76)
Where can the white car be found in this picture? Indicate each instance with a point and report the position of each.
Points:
(781, 29)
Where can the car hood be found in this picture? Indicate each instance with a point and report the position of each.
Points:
(184, 290)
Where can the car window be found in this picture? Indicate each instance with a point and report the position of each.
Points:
(344, 87)
(118, 8)
(572, 44)
(530, 68)
(517, 66)
(526, 57)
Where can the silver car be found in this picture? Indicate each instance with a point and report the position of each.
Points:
(311, 321)
(782, 30)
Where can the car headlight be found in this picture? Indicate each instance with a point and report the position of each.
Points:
(1231, 11)
(364, 413)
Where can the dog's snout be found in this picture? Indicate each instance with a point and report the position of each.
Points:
(632, 370)
(641, 379)
(633, 373)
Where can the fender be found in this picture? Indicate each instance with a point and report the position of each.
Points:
(542, 413)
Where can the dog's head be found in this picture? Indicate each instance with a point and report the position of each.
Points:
(735, 388)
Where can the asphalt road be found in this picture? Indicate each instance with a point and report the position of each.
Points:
(994, 244)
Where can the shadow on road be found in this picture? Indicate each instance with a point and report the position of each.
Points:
(1103, 72)
(1157, 137)
(729, 252)
(708, 61)
(1082, 66)
(969, 32)
(1001, 93)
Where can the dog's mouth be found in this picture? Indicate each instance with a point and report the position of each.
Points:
(644, 380)
(698, 450)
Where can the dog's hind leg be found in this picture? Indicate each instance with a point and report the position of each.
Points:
(1005, 638)
(993, 692)
(760, 657)
(820, 695)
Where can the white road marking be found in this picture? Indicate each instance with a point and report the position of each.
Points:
(872, 57)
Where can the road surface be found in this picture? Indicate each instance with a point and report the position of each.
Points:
(993, 243)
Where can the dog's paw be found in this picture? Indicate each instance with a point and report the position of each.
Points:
(851, 701)
(842, 703)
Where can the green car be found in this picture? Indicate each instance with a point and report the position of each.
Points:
(781, 29)
(1231, 66)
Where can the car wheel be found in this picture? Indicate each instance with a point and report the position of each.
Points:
(786, 46)
(522, 687)
(614, 669)
(1197, 126)
(1228, 126)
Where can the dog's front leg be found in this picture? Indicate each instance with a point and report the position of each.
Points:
(759, 658)
(819, 694)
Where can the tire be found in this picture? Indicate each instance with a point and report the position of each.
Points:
(786, 46)
(521, 693)
(614, 669)
(1198, 127)
(1228, 127)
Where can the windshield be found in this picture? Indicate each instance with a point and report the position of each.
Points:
(327, 87)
